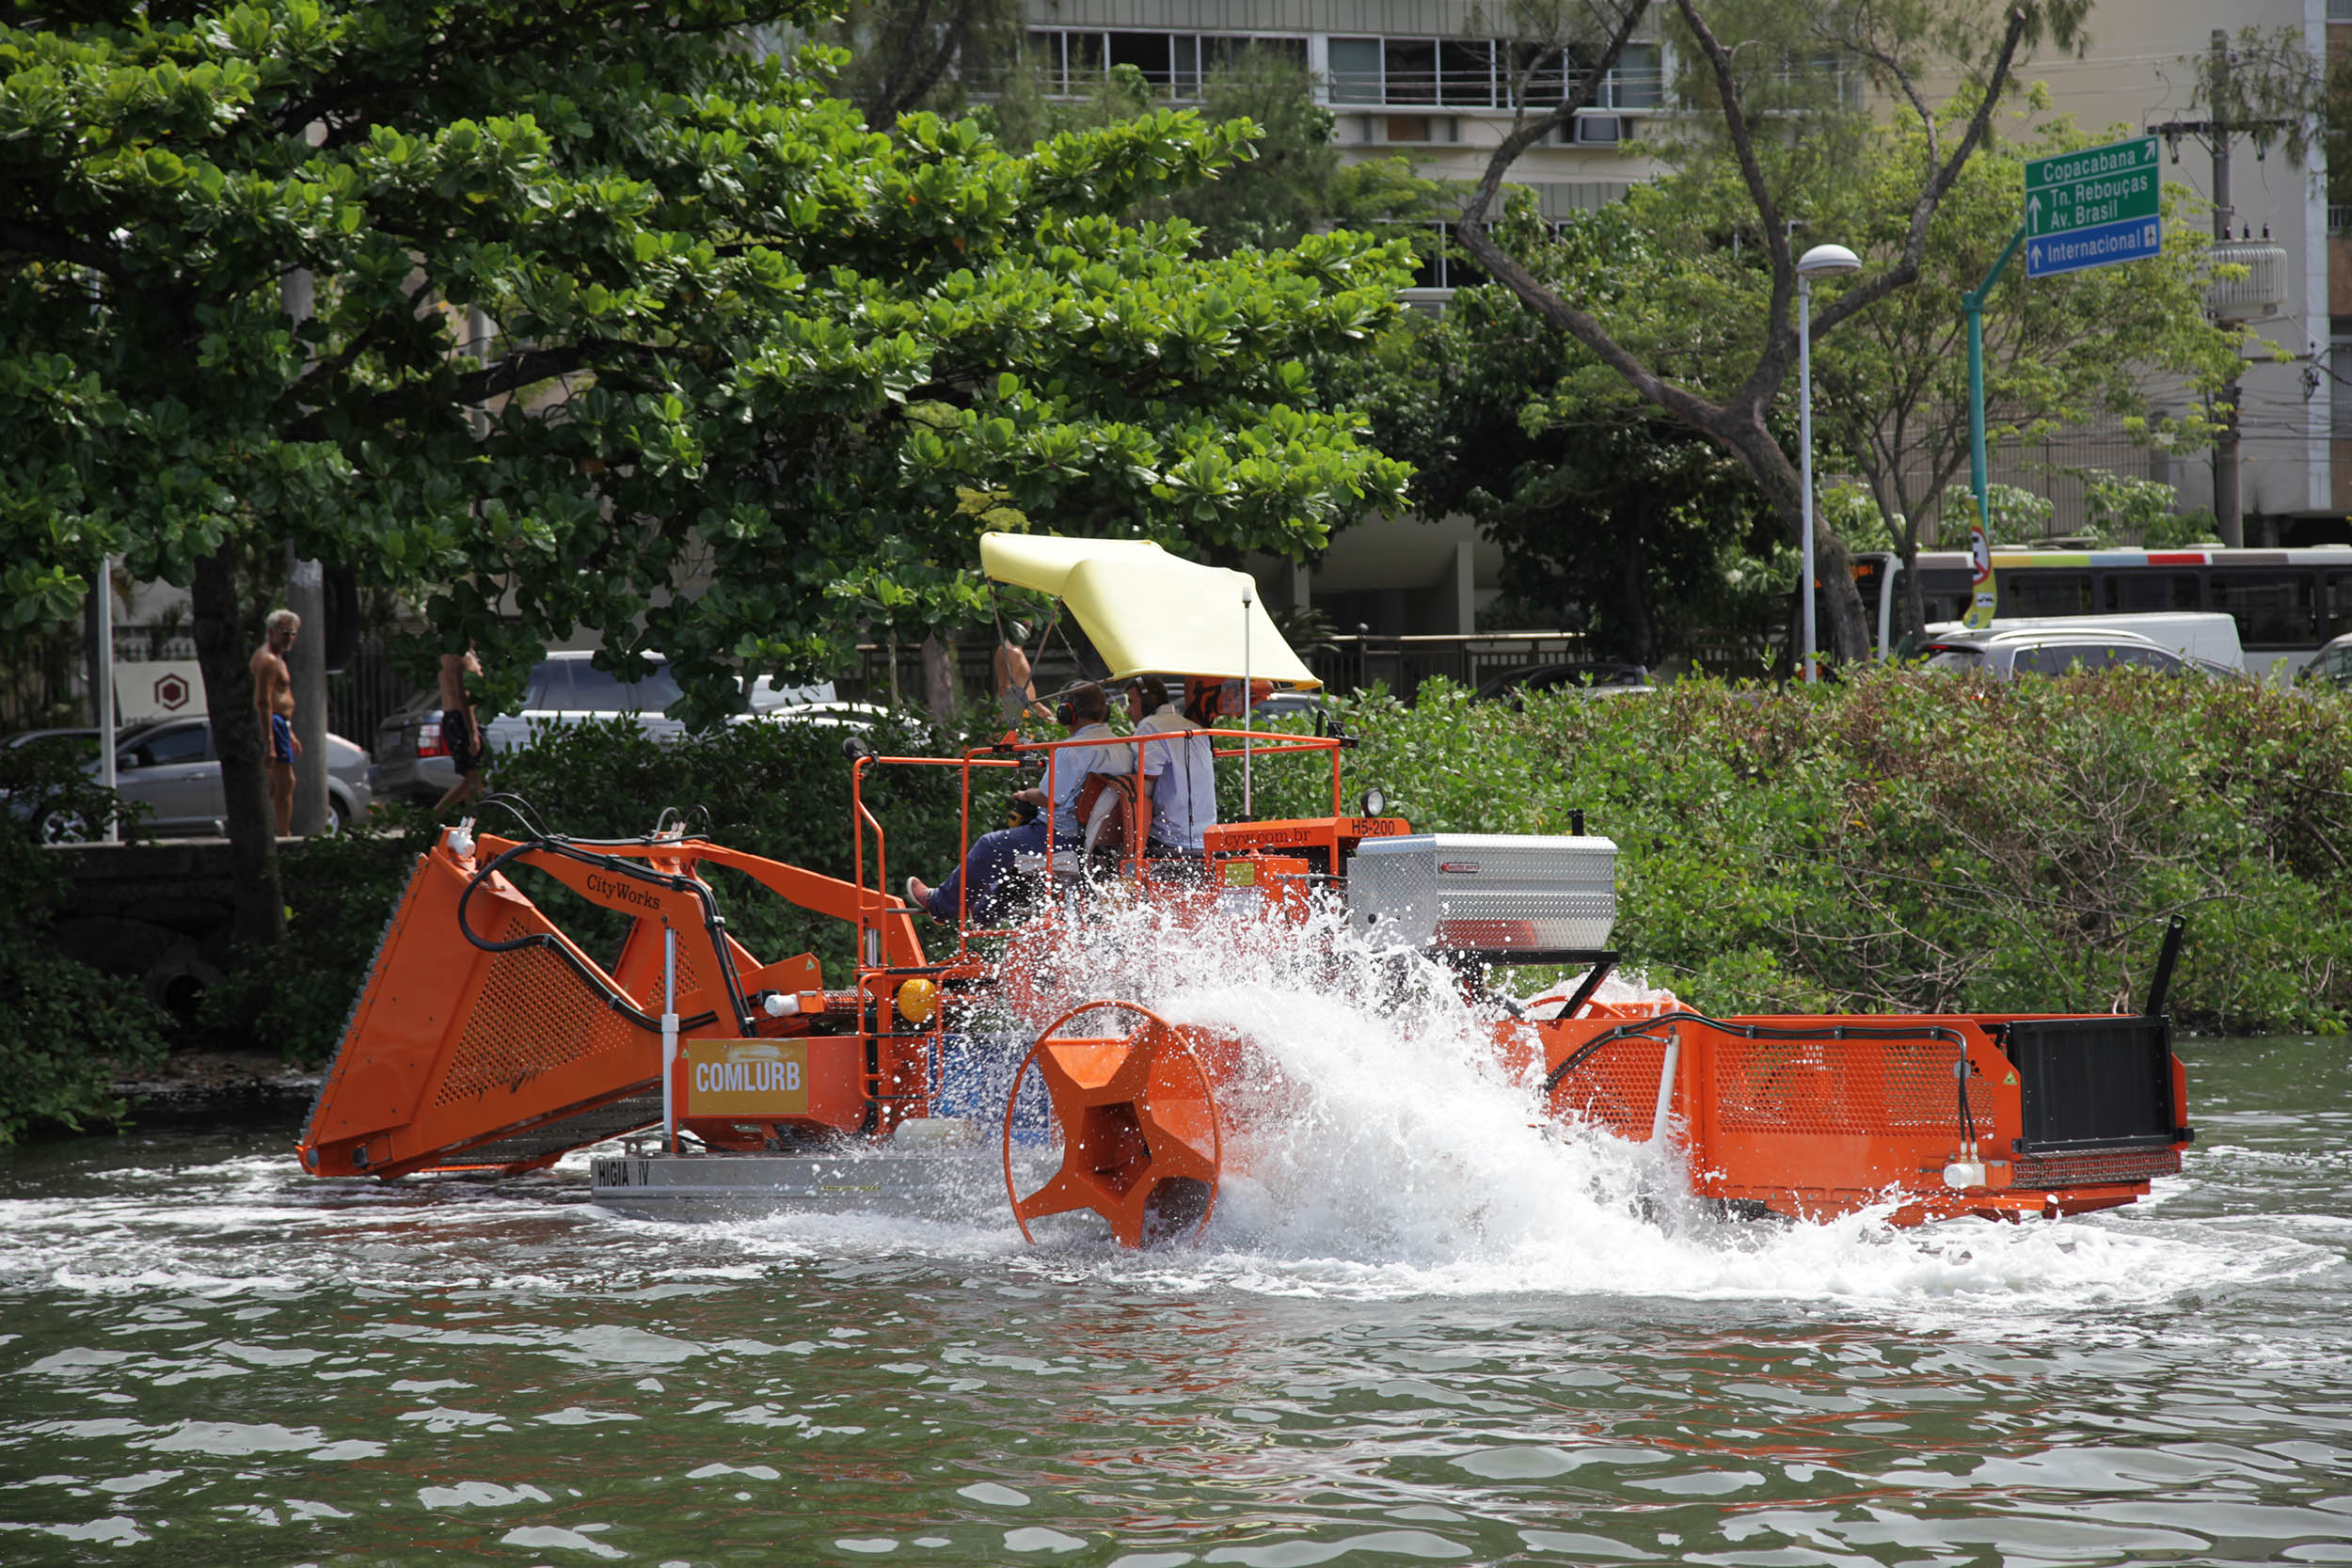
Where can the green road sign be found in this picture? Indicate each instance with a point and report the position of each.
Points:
(2091, 189)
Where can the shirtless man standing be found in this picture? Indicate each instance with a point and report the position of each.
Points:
(1009, 674)
(273, 701)
(461, 729)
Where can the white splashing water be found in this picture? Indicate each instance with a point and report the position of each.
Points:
(1418, 1162)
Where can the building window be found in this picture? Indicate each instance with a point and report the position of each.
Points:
(1466, 73)
(1153, 54)
(1640, 80)
(1477, 73)
(1637, 83)
(1070, 63)
(1355, 67)
(1409, 71)
(1444, 263)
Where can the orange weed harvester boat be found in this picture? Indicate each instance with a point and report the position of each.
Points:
(485, 1039)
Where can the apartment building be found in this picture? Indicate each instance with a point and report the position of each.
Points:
(1429, 78)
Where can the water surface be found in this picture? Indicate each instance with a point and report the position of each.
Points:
(1505, 1350)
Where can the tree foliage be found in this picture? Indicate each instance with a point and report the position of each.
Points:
(67, 1031)
(2130, 343)
(1614, 520)
(1292, 183)
(740, 355)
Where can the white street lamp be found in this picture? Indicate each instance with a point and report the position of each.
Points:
(1818, 262)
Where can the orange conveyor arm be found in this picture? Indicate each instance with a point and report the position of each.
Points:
(505, 1048)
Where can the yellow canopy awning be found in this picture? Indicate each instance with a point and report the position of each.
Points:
(1148, 612)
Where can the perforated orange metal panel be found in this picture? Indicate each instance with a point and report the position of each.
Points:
(1617, 1087)
(1871, 1088)
(534, 1015)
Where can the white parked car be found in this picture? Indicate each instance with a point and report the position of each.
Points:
(412, 756)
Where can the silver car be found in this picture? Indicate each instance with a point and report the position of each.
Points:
(2007, 655)
(172, 770)
(2331, 667)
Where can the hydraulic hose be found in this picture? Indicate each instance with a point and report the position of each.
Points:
(619, 1000)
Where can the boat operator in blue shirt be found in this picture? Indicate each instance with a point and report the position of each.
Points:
(989, 862)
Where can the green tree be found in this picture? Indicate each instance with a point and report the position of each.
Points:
(1754, 66)
(2013, 516)
(910, 54)
(1613, 520)
(1291, 182)
(2143, 513)
(741, 355)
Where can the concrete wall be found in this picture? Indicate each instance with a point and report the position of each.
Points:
(154, 917)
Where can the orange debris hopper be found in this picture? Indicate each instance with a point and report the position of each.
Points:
(1936, 1116)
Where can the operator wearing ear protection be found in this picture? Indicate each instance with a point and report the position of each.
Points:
(1086, 714)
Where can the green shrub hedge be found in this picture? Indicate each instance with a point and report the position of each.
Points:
(1906, 840)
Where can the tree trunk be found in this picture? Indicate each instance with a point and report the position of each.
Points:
(306, 595)
(1847, 635)
(1639, 639)
(222, 655)
(939, 677)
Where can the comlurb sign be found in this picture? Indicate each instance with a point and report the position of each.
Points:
(757, 1080)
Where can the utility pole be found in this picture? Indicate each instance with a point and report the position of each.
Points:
(2226, 123)
(2228, 514)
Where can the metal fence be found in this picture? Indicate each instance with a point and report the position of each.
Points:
(365, 693)
(46, 682)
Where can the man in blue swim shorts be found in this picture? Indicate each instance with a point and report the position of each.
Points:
(273, 702)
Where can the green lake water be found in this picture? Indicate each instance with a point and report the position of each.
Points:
(1475, 1348)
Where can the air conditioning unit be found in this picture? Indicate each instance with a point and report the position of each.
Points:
(1597, 130)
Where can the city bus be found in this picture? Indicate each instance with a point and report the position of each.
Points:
(2287, 603)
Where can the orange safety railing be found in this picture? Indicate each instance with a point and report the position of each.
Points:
(876, 900)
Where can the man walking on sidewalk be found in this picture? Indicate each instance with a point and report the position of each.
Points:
(461, 728)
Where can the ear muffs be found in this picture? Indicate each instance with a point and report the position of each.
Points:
(1066, 716)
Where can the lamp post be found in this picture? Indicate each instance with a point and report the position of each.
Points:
(1820, 260)
(1248, 597)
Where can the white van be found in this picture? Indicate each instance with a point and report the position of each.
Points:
(2199, 634)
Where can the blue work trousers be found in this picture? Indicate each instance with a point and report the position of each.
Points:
(986, 868)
